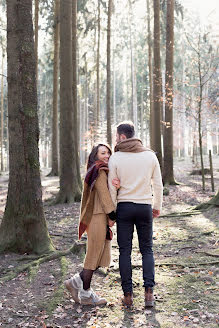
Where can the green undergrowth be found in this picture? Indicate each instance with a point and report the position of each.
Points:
(56, 298)
(32, 272)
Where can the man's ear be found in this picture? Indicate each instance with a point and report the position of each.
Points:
(123, 137)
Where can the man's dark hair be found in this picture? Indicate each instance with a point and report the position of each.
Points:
(126, 128)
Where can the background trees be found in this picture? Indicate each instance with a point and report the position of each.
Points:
(157, 84)
(101, 85)
(56, 36)
(130, 77)
(69, 186)
(168, 175)
(23, 227)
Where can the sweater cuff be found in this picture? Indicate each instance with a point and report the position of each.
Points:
(112, 216)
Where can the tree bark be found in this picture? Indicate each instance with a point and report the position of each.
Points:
(134, 114)
(168, 175)
(200, 115)
(142, 110)
(69, 187)
(157, 83)
(200, 135)
(86, 111)
(55, 155)
(76, 121)
(98, 67)
(2, 112)
(23, 228)
(211, 170)
(36, 31)
(108, 90)
(150, 76)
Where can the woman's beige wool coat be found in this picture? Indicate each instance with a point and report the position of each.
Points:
(98, 247)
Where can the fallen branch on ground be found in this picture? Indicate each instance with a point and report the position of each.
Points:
(207, 253)
(186, 265)
(180, 214)
(199, 209)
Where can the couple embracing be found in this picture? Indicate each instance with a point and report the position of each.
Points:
(126, 188)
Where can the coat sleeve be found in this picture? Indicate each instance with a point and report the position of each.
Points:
(103, 193)
(157, 186)
(111, 176)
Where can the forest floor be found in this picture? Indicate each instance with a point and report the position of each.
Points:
(186, 257)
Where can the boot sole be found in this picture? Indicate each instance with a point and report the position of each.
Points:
(91, 302)
(149, 304)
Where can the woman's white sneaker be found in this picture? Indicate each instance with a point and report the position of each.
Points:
(89, 297)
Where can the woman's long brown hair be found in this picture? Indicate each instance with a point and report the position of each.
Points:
(93, 155)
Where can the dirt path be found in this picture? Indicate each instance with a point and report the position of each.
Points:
(186, 287)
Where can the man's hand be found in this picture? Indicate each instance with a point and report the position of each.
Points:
(111, 223)
(155, 213)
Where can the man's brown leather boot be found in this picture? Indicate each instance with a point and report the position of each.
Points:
(127, 300)
(149, 297)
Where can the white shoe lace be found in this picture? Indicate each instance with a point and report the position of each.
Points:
(86, 294)
(95, 297)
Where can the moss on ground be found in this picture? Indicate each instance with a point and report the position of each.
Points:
(57, 297)
(32, 272)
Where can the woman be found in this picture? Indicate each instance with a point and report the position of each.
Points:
(96, 215)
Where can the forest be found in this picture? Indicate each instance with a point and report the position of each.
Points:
(70, 72)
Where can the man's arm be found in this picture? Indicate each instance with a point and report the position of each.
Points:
(157, 186)
(112, 175)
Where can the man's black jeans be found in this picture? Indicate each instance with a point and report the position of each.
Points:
(128, 215)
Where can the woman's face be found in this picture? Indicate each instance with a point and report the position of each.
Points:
(103, 154)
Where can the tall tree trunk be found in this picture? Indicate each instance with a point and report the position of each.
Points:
(200, 115)
(168, 176)
(76, 122)
(7, 138)
(86, 122)
(2, 112)
(126, 83)
(134, 115)
(69, 187)
(23, 227)
(44, 120)
(134, 92)
(95, 135)
(98, 66)
(142, 110)
(200, 136)
(157, 83)
(152, 144)
(36, 31)
(217, 136)
(55, 155)
(108, 91)
(82, 130)
(114, 88)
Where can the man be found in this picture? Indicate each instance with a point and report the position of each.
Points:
(138, 170)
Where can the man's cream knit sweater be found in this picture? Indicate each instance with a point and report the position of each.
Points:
(140, 178)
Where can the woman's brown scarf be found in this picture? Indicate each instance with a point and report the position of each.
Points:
(131, 145)
(87, 203)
